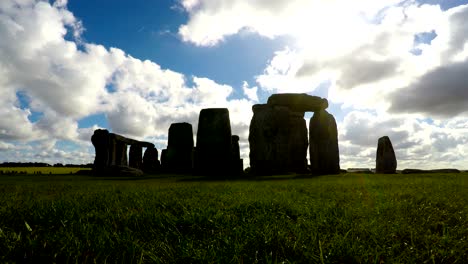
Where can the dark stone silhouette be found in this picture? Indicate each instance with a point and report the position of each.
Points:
(213, 152)
(298, 102)
(135, 156)
(111, 153)
(179, 152)
(298, 143)
(323, 144)
(278, 140)
(386, 160)
(101, 142)
(237, 162)
(150, 160)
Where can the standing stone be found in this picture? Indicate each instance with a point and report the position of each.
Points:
(386, 160)
(135, 156)
(323, 148)
(164, 159)
(100, 140)
(237, 162)
(298, 142)
(213, 152)
(150, 160)
(278, 140)
(180, 147)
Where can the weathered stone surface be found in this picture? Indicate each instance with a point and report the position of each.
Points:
(101, 143)
(180, 148)
(298, 102)
(385, 159)
(323, 144)
(213, 152)
(135, 156)
(150, 160)
(278, 140)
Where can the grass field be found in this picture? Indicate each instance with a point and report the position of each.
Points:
(40, 170)
(347, 218)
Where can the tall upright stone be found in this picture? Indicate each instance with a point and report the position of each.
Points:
(213, 151)
(101, 143)
(135, 156)
(268, 138)
(323, 144)
(237, 162)
(180, 148)
(385, 158)
(298, 143)
(150, 160)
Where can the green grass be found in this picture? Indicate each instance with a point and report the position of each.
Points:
(348, 218)
(40, 170)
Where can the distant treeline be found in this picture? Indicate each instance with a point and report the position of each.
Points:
(42, 164)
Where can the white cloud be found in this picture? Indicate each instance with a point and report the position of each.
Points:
(64, 83)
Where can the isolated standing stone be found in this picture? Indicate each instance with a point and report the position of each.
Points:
(213, 152)
(180, 147)
(150, 160)
(385, 159)
(323, 144)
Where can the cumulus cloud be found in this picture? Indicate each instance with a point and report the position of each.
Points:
(66, 80)
(417, 143)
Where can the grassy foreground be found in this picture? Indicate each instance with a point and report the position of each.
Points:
(347, 218)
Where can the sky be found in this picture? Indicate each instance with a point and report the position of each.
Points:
(387, 67)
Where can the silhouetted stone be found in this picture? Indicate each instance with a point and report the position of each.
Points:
(101, 143)
(386, 160)
(213, 152)
(298, 102)
(267, 137)
(135, 156)
(164, 159)
(323, 144)
(150, 160)
(298, 143)
(180, 147)
(278, 140)
(111, 150)
(237, 162)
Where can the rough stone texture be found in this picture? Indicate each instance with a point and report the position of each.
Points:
(323, 144)
(135, 156)
(180, 148)
(213, 152)
(100, 140)
(278, 140)
(150, 160)
(298, 102)
(386, 160)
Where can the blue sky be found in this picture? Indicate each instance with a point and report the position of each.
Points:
(387, 68)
